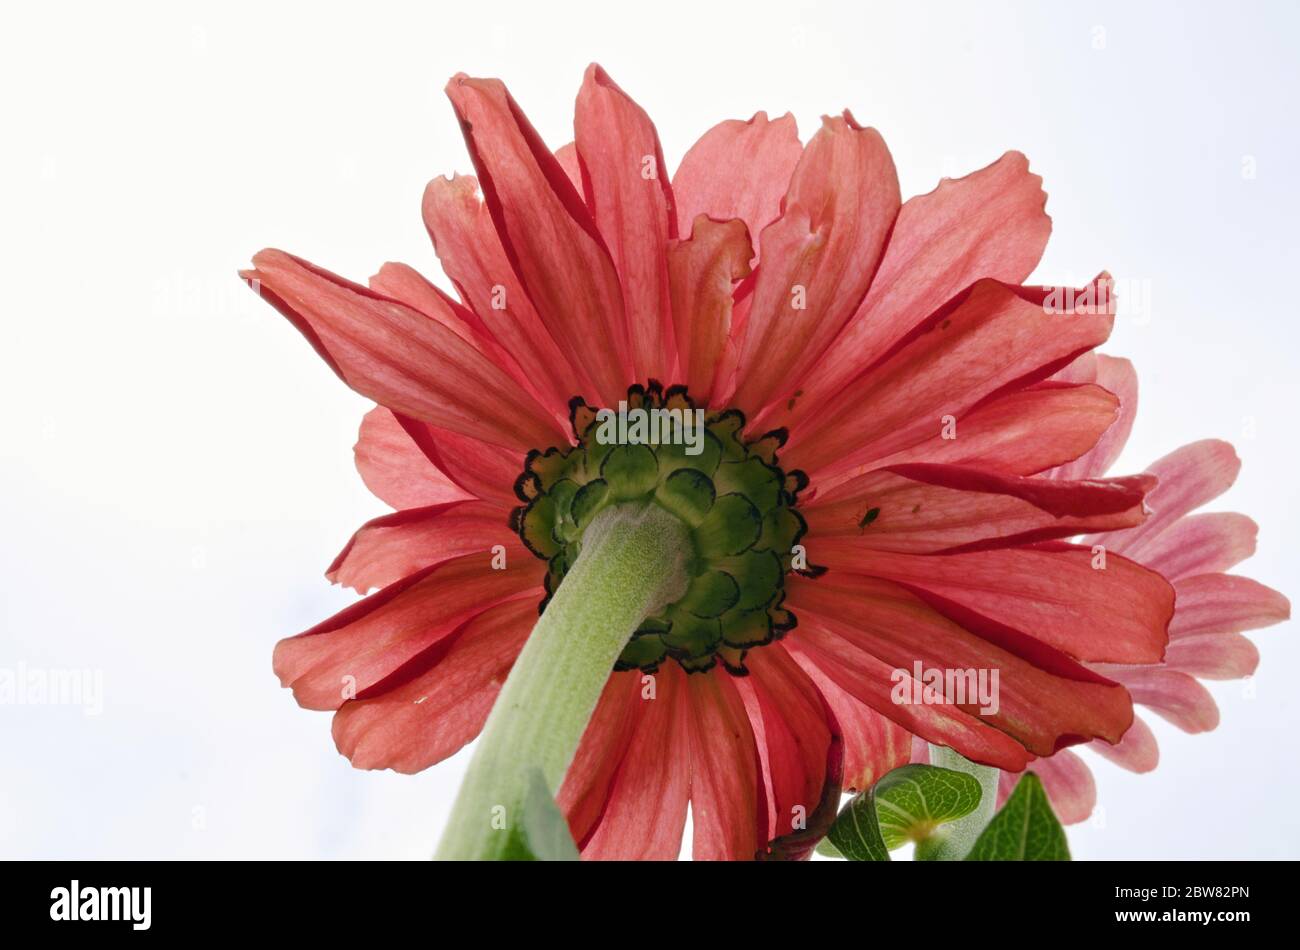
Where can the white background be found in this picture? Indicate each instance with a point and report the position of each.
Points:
(177, 467)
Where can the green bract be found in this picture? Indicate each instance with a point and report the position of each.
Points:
(736, 502)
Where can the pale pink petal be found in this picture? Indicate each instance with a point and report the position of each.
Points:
(1199, 544)
(1137, 751)
(1213, 656)
(1175, 696)
(1068, 782)
(1224, 603)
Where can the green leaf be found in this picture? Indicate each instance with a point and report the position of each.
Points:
(856, 834)
(913, 800)
(1025, 829)
(543, 832)
(907, 804)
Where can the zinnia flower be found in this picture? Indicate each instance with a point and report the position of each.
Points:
(882, 398)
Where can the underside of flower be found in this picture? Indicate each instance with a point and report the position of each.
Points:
(736, 502)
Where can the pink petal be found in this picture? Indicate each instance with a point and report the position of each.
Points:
(994, 339)
(645, 812)
(926, 508)
(1119, 377)
(817, 258)
(1177, 697)
(1050, 592)
(789, 719)
(359, 648)
(394, 468)
(389, 548)
(1043, 700)
(629, 195)
(1213, 656)
(703, 270)
(399, 357)
(567, 156)
(725, 778)
(1137, 751)
(466, 241)
(1189, 477)
(873, 744)
(548, 234)
(1223, 603)
(1068, 782)
(738, 170)
(420, 722)
(989, 224)
(1199, 544)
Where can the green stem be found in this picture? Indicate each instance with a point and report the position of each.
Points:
(954, 840)
(632, 562)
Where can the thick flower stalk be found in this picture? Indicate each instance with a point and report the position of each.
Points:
(849, 446)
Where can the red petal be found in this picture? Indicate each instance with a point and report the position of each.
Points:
(586, 784)
(788, 717)
(989, 224)
(1043, 700)
(394, 468)
(738, 170)
(401, 358)
(547, 233)
(421, 722)
(357, 649)
(925, 508)
(466, 241)
(645, 812)
(870, 680)
(389, 548)
(1050, 592)
(994, 339)
(873, 744)
(1020, 433)
(1223, 603)
(817, 258)
(724, 772)
(628, 192)
(1119, 377)
(485, 471)
(703, 270)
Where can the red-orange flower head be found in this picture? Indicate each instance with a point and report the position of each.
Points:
(953, 427)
